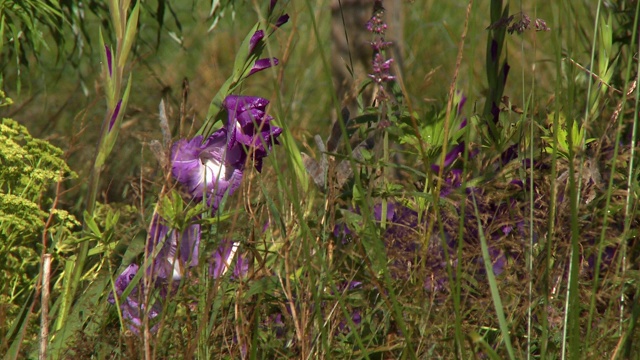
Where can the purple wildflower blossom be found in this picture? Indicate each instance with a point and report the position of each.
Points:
(179, 251)
(132, 307)
(202, 167)
(250, 130)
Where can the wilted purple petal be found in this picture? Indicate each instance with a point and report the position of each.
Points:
(179, 251)
(203, 168)
(262, 64)
(255, 39)
(109, 59)
(114, 116)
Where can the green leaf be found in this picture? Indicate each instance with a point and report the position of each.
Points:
(91, 224)
(129, 36)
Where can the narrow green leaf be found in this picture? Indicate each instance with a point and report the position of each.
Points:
(129, 36)
(493, 285)
(105, 68)
(114, 9)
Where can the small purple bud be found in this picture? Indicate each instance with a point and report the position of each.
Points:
(282, 20)
(272, 5)
(116, 111)
(463, 100)
(262, 64)
(109, 60)
(255, 39)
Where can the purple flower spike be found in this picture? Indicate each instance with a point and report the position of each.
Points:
(179, 250)
(223, 258)
(201, 167)
(262, 64)
(250, 131)
(109, 60)
(116, 111)
(255, 39)
(132, 307)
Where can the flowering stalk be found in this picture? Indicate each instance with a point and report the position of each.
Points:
(248, 61)
(113, 61)
(381, 75)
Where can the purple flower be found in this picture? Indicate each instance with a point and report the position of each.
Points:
(250, 130)
(179, 250)
(262, 64)
(222, 260)
(132, 307)
(377, 211)
(203, 169)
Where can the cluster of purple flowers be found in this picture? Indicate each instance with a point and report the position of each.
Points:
(381, 67)
(207, 169)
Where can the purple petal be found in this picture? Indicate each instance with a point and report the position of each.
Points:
(450, 157)
(249, 129)
(114, 116)
(132, 308)
(255, 39)
(171, 262)
(262, 64)
(204, 168)
(377, 211)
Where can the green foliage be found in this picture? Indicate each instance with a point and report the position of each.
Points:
(21, 29)
(431, 130)
(577, 134)
(29, 167)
